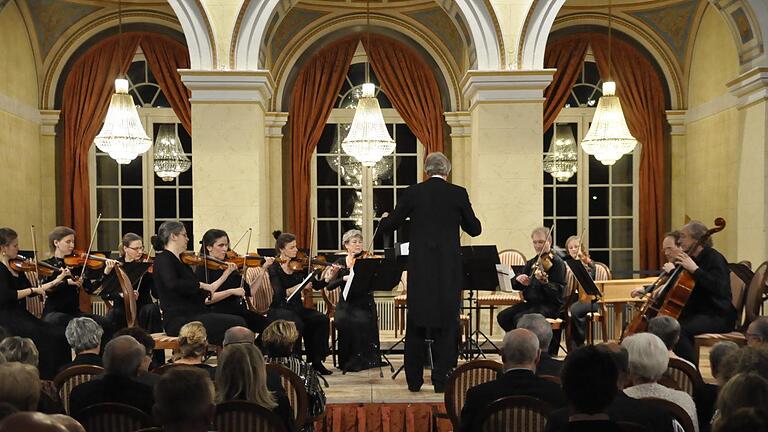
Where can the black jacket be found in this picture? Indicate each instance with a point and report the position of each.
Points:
(83, 360)
(549, 294)
(712, 293)
(548, 365)
(622, 409)
(111, 388)
(178, 288)
(64, 297)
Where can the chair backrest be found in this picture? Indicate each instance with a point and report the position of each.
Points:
(35, 306)
(295, 390)
(261, 297)
(738, 289)
(331, 298)
(113, 417)
(245, 416)
(602, 272)
(404, 282)
(678, 413)
(631, 427)
(512, 257)
(462, 379)
(73, 376)
(514, 414)
(687, 377)
(755, 292)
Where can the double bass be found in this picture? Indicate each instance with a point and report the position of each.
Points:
(672, 297)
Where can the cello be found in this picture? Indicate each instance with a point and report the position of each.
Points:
(673, 295)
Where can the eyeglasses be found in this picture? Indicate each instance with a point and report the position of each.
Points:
(137, 248)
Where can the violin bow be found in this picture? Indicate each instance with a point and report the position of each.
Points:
(90, 245)
(538, 253)
(34, 250)
(247, 231)
(373, 237)
(245, 261)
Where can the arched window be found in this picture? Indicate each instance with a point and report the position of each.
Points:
(599, 200)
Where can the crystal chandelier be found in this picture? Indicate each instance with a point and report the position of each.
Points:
(368, 139)
(350, 169)
(122, 135)
(170, 160)
(608, 137)
(561, 159)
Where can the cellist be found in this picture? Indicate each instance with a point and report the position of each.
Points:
(670, 246)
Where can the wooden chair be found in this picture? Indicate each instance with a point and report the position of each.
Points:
(401, 304)
(331, 299)
(678, 413)
(602, 273)
(686, 377)
(513, 414)
(750, 309)
(113, 417)
(71, 377)
(296, 392)
(244, 416)
(164, 342)
(490, 301)
(261, 297)
(551, 378)
(35, 306)
(462, 379)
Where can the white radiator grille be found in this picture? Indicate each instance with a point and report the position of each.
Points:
(385, 307)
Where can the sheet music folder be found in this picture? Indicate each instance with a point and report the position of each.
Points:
(583, 278)
(479, 267)
(374, 274)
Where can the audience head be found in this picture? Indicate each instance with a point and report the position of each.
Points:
(744, 419)
(620, 358)
(745, 359)
(666, 328)
(68, 422)
(757, 332)
(589, 379)
(84, 334)
(123, 356)
(437, 163)
(539, 326)
(744, 390)
(279, 338)
(717, 355)
(7, 409)
(144, 339)
(19, 385)
(184, 399)
(31, 422)
(193, 341)
(242, 375)
(520, 349)
(239, 335)
(648, 357)
(2, 358)
(19, 349)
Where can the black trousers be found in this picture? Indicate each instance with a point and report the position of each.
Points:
(445, 351)
(215, 324)
(508, 318)
(694, 324)
(579, 311)
(313, 326)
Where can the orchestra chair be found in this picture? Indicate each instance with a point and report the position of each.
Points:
(511, 257)
(563, 321)
(686, 377)
(459, 381)
(71, 377)
(678, 413)
(331, 299)
(602, 273)
(113, 417)
(296, 392)
(245, 416)
(261, 298)
(401, 304)
(35, 306)
(514, 414)
(747, 307)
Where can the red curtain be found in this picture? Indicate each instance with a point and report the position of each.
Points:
(165, 57)
(411, 87)
(381, 417)
(567, 56)
(314, 95)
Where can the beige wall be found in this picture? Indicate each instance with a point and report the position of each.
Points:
(20, 155)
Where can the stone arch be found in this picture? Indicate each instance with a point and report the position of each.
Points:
(256, 16)
(197, 30)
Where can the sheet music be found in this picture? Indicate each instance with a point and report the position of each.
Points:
(349, 283)
(303, 284)
(404, 248)
(505, 274)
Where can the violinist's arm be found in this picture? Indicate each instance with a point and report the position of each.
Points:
(213, 287)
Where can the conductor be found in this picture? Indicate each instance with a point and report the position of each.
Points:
(437, 209)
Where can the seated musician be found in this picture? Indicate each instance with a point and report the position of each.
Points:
(230, 298)
(356, 319)
(312, 325)
(579, 309)
(670, 246)
(542, 287)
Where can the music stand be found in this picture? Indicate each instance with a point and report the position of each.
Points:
(479, 273)
(586, 283)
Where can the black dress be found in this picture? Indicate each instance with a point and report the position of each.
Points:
(580, 309)
(149, 317)
(311, 324)
(233, 305)
(48, 338)
(182, 300)
(357, 322)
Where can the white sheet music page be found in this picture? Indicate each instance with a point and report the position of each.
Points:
(349, 283)
(303, 283)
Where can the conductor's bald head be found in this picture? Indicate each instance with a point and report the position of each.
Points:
(520, 350)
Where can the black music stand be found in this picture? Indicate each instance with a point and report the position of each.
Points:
(479, 273)
(586, 283)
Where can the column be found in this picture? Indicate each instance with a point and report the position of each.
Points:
(505, 179)
(460, 123)
(275, 121)
(229, 152)
(48, 205)
(676, 120)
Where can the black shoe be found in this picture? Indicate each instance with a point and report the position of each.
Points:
(319, 368)
(414, 388)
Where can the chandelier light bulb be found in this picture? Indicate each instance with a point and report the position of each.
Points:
(122, 136)
(608, 137)
(170, 160)
(368, 139)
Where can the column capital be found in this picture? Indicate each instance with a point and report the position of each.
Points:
(460, 123)
(505, 86)
(676, 119)
(274, 122)
(751, 86)
(48, 121)
(221, 86)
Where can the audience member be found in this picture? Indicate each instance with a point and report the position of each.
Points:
(148, 343)
(19, 349)
(68, 422)
(242, 375)
(84, 336)
(757, 332)
(648, 360)
(668, 330)
(184, 400)
(745, 390)
(123, 356)
(239, 335)
(2, 359)
(717, 356)
(7, 409)
(31, 422)
(706, 397)
(744, 420)
(745, 359)
(537, 324)
(19, 385)
(193, 344)
(520, 353)
(4, 333)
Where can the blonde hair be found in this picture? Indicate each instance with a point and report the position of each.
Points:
(20, 349)
(242, 375)
(279, 337)
(20, 385)
(193, 341)
(57, 234)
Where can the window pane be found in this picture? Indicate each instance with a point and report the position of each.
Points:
(406, 170)
(406, 140)
(601, 256)
(621, 230)
(136, 227)
(547, 139)
(136, 72)
(326, 139)
(328, 235)
(190, 233)
(185, 203)
(621, 171)
(383, 201)
(383, 172)
(326, 175)
(621, 201)
(383, 99)
(598, 173)
(133, 205)
(108, 234)
(147, 92)
(598, 201)
(548, 202)
(357, 73)
(327, 203)
(106, 171)
(598, 233)
(350, 171)
(351, 203)
(185, 178)
(621, 264)
(131, 174)
(347, 225)
(566, 201)
(107, 203)
(564, 229)
(165, 203)
(160, 100)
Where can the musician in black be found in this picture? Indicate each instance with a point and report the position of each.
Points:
(542, 287)
(579, 309)
(709, 308)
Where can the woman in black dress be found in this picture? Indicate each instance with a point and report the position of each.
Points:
(14, 289)
(182, 295)
(579, 309)
(230, 297)
(355, 318)
(311, 324)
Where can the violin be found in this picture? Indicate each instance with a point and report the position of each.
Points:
(245, 261)
(211, 263)
(543, 264)
(22, 264)
(145, 258)
(92, 261)
(302, 261)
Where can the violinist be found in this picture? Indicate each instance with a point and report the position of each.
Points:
(579, 309)
(356, 319)
(230, 298)
(182, 294)
(49, 339)
(670, 247)
(312, 325)
(542, 283)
